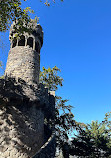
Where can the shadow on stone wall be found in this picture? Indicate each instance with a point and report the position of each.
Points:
(22, 119)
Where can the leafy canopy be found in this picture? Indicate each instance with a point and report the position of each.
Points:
(10, 10)
(50, 78)
(64, 118)
(93, 140)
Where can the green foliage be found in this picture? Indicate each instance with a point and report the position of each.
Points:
(93, 140)
(1, 64)
(48, 2)
(50, 78)
(64, 119)
(10, 10)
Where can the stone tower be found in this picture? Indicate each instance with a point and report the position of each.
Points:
(24, 55)
(25, 105)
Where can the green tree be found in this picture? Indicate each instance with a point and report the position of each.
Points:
(93, 140)
(49, 77)
(10, 10)
(64, 121)
(64, 118)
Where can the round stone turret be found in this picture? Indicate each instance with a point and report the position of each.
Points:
(24, 55)
(26, 108)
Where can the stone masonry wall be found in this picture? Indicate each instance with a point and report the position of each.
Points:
(21, 131)
(22, 119)
(27, 108)
(23, 62)
(47, 150)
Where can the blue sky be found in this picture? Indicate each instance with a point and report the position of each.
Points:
(77, 39)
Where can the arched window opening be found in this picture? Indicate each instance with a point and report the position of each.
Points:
(30, 42)
(21, 41)
(37, 47)
(14, 43)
